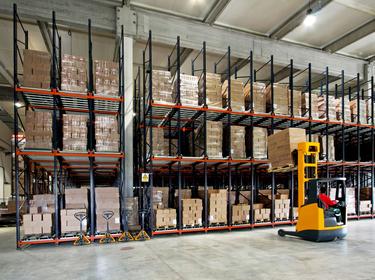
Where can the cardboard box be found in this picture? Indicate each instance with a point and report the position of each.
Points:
(214, 139)
(262, 215)
(165, 218)
(322, 108)
(328, 151)
(38, 130)
(188, 90)
(282, 102)
(362, 111)
(237, 139)
(161, 86)
(314, 105)
(160, 142)
(257, 139)
(214, 98)
(217, 206)
(36, 224)
(106, 134)
(259, 97)
(281, 146)
(191, 212)
(240, 213)
(106, 78)
(107, 199)
(237, 95)
(69, 223)
(73, 73)
(131, 210)
(347, 112)
(75, 132)
(76, 198)
(36, 69)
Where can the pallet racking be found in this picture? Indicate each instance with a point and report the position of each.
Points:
(187, 169)
(65, 168)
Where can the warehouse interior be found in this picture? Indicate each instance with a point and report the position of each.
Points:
(187, 139)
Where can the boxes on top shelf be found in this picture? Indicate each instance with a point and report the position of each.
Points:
(75, 132)
(259, 97)
(188, 90)
(362, 111)
(347, 112)
(38, 130)
(106, 134)
(331, 107)
(73, 73)
(106, 75)
(282, 100)
(214, 98)
(314, 105)
(236, 93)
(36, 69)
(161, 86)
(214, 139)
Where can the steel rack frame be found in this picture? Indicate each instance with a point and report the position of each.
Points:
(65, 168)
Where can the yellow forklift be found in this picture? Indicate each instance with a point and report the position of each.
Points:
(317, 222)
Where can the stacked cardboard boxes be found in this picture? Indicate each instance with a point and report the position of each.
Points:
(369, 110)
(106, 134)
(258, 142)
(347, 111)
(240, 213)
(107, 199)
(160, 144)
(160, 197)
(192, 212)
(73, 73)
(217, 206)
(76, 198)
(188, 90)
(259, 97)
(36, 69)
(38, 130)
(131, 211)
(237, 95)
(162, 86)
(281, 146)
(261, 214)
(362, 111)
(282, 102)
(213, 91)
(314, 105)
(42, 203)
(331, 107)
(165, 218)
(282, 208)
(214, 139)
(106, 78)
(330, 149)
(37, 224)
(365, 207)
(69, 223)
(185, 193)
(237, 138)
(74, 132)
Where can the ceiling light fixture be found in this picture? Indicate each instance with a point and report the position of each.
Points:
(310, 18)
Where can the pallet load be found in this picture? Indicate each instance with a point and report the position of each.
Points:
(347, 112)
(369, 111)
(36, 69)
(331, 108)
(281, 147)
(38, 130)
(314, 105)
(282, 100)
(217, 206)
(259, 97)
(188, 90)
(106, 134)
(69, 223)
(237, 140)
(165, 218)
(76, 198)
(362, 111)
(73, 73)
(74, 133)
(237, 95)
(37, 224)
(214, 139)
(258, 142)
(282, 208)
(185, 194)
(261, 214)
(107, 199)
(240, 213)
(243, 197)
(214, 98)
(192, 212)
(42, 203)
(131, 211)
(365, 207)
(160, 144)
(161, 86)
(330, 149)
(106, 76)
(160, 197)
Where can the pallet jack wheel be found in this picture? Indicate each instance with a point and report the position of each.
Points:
(281, 232)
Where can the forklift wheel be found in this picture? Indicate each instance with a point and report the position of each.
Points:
(281, 232)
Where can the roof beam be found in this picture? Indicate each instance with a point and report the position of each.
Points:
(46, 35)
(215, 11)
(297, 18)
(351, 37)
(193, 33)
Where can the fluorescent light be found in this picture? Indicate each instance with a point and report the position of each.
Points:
(18, 104)
(310, 18)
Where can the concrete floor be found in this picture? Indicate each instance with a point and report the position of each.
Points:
(259, 254)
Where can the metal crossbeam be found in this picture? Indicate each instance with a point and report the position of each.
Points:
(215, 11)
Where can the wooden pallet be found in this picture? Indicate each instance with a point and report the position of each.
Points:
(166, 228)
(286, 168)
(263, 221)
(241, 223)
(37, 237)
(192, 226)
(217, 224)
